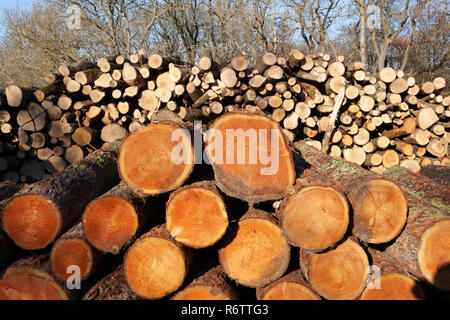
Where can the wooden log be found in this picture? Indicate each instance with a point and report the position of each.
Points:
(156, 265)
(111, 287)
(112, 221)
(290, 287)
(250, 178)
(33, 118)
(212, 285)
(74, 153)
(438, 147)
(408, 127)
(164, 173)
(315, 217)
(387, 75)
(73, 249)
(36, 215)
(196, 215)
(338, 274)
(70, 70)
(258, 232)
(30, 279)
(389, 282)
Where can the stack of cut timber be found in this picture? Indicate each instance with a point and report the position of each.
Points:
(180, 229)
(375, 120)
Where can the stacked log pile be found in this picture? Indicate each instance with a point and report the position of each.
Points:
(290, 223)
(375, 120)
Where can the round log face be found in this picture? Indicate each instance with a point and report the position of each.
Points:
(434, 254)
(151, 162)
(109, 223)
(315, 218)
(380, 209)
(196, 217)
(341, 273)
(71, 252)
(200, 292)
(24, 283)
(154, 267)
(393, 286)
(31, 221)
(250, 157)
(257, 255)
(286, 290)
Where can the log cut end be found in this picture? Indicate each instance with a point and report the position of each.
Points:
(434, 254)
(257, 255)
(315, 218)
(338, 274)
(109, 222)
(196, 217)
(154, 267)
(250, 157)
(31, 221)
(393, 286)
(157, 158)
(380, 209)
(25, 283)
(201, 292)
(71, 252)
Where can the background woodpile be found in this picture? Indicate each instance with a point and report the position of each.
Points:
(383, 120)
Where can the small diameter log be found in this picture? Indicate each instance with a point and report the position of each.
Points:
(156, 265)
(30, 279)
(112, 221)
(337, 274)
(315, 217)
(248, 170)
(73, 249)
(257, 253)
(196, 215)
(37, 214)
(290, 287)
(111, 287)
(379, 205)
(408, 127)
(157, 158)
(213, 285)
(389, 282)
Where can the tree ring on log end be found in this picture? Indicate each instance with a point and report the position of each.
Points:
(154, 267)
(315, 218)
(393, 286)
(200, 292)
(434, 254)
(380, 210)
(31, 221)
(289, 290)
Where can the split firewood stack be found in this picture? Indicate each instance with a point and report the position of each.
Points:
(229, 210)
(375, 120)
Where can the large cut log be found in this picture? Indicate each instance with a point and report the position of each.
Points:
(292, 286)
(439, 174)
(157, 158)
(37, 214)
(156, 265)
(379, 205)
(112, 221)
(196, 215)
(111, 287)
(30, 279)
(73, 249)
(250, 157)
(256, 251)
(212, 285)
(389, 282)
(315, 217)
(337, 274)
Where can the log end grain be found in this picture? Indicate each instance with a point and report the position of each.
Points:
(165, 161)
(315, 218)
(31, 221)
(380, 209)
(393, 286)
(196, 216)
(338, 274)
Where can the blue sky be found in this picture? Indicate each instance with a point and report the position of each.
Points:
(10, 4)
